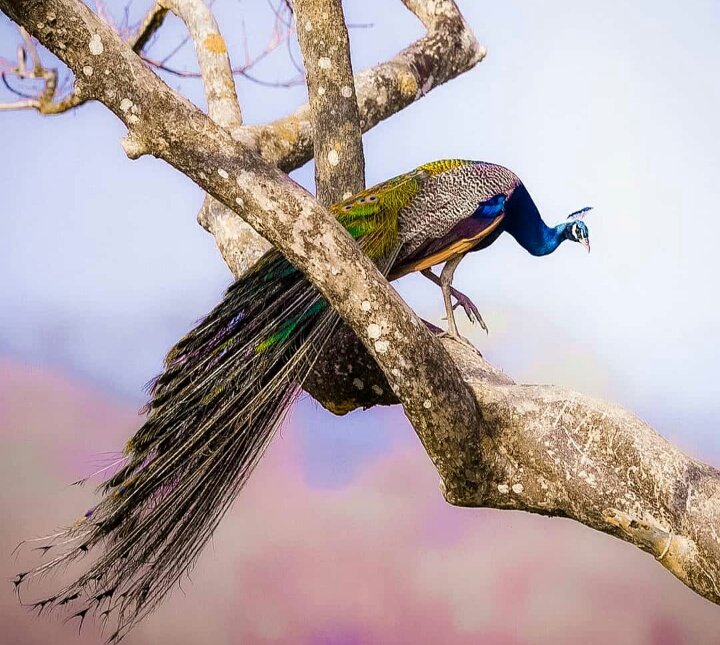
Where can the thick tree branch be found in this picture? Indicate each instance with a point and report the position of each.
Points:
(338, 151)
(552, 451)
(446, 51)
(213, 60)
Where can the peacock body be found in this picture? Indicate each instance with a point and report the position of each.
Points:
(228, 383)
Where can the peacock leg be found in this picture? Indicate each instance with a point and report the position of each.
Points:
(461, 300)
(446, 276)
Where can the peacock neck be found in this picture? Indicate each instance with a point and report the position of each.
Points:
(527, 227)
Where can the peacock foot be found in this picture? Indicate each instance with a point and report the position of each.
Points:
(469, 307)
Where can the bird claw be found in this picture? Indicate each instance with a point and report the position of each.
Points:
(470, 309)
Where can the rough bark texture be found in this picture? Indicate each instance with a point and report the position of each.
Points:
(552, 451)
(448, 50)
(239, 244)
(338, 151)
(534, 448)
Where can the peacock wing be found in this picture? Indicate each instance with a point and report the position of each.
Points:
(371, 216)
(465, 235)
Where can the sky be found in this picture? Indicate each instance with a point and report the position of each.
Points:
(613, 105)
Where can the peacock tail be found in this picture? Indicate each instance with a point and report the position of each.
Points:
(224, 391)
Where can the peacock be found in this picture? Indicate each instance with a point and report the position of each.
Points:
(227, 384)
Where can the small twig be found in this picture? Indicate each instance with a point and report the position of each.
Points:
(279, 37)
(152, 21)
(16, 92)
(236, 71)
(44, 101)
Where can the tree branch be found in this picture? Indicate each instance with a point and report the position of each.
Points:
(238, 243)
(552, 451)
(45, 102)
(447, 50)
(338, 151)
(152, 21)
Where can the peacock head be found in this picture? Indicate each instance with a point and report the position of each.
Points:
(576, 230)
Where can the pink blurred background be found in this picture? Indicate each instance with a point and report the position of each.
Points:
(381, 559)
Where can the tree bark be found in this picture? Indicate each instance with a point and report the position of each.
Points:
(334, 115)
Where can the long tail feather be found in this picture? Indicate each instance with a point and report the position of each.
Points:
(224, 391)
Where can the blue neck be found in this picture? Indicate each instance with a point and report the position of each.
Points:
(524, 223)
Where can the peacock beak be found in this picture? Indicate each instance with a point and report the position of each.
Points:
(586, 243)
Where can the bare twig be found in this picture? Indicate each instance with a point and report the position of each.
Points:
(44, 101)
(148, 26)
(243, 70)
(280, 34)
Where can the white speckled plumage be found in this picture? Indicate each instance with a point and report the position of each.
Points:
(449, 197)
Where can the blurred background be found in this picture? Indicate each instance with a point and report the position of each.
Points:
(341, 536)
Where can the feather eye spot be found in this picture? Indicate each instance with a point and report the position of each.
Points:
(372, 198)
(347, 207)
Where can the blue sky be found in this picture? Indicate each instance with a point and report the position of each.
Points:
(609, 104)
